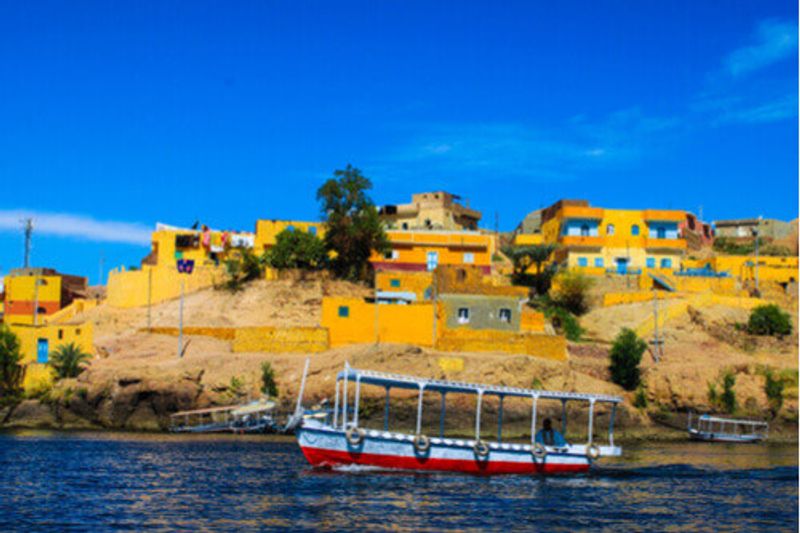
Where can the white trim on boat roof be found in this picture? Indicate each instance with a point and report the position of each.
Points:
(411, 382)
(708, 418)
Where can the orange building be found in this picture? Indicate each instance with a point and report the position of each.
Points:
(425, 250)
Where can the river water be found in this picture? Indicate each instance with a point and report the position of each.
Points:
(113, 481)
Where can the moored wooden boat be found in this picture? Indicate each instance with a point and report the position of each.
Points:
(718, 429)
(339, 439)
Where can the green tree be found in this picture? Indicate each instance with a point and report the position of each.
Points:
(353, 228)
(297, 249)
(769, 320)
(773, 388)
(728, 397)
(523, 257)
(11, 370)
(67, 360)
(572, 292)
(268, 385)
(626, 355)
(243, 266)
(565, 322)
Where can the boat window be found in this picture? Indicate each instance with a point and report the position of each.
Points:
(505, 315)
(463, 315)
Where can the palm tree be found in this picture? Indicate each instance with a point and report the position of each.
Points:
(10, 366)
(67, 360)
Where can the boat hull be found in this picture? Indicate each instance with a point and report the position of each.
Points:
(326, 447)
(706, 436)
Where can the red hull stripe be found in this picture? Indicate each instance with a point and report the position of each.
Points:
(324, 458)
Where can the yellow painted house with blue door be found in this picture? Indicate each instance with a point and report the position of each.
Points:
(623, 241)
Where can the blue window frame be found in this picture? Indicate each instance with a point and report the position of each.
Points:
(582, 262)
(42, 351)
(651, 262)
(598, 262)
(661, 232)
(635, 230)
(394, 283)
(344, 311)
(666, 262)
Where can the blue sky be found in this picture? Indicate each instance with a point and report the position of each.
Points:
(116, 115)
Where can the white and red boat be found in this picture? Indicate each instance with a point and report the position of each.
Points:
(339, 440)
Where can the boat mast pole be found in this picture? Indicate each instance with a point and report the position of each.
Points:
(336, 406)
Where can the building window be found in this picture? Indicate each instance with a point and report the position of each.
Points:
(78, 331)
(582, 262)
(344, 311)
(312, 230)
(60, 334)
(463, 315)
(469, 258)
(651, 262)
(394, 283)
(635, 230)
(661, 232)
(610, 229)
(666, 262)
(405, 225)
(598, 262)
(505, 315)
(585, 230)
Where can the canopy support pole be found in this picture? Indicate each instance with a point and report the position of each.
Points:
(442, 412)
(611, 424)
(564, 418)
(419, 409)
(344, 403)
(386, 412)
(358, 398)
(478, 416)
(500, 421)
(591, 420)
(533, 420)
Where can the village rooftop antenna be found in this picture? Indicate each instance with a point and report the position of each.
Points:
(27, 225)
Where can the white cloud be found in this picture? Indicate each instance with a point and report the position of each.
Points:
(768, 112)
(76, 226)
(774, 41)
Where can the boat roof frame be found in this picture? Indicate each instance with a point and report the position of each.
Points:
(709, 418)
(401, 381)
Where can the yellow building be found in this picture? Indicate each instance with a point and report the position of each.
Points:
(38, 342)
(267, 231)
(431, 210)
(32, 294)
(158, 279)
(622, 241)
(528, 239)
(425, 250)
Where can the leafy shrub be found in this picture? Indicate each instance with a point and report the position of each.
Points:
(728, 397)
(245, 266)
(626, 355)
(769, 320)
(297, 249)
(773, 388)
(565, 322)
(67, 360)
(572, 292)
(268, 385)
(640, 398)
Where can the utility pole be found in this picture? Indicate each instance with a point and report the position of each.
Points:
(28, 229)
(755, 272)
(180, 323)
(657, 342)
(100, 270)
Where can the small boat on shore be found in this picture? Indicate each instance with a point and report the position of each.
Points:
(718, 429)
(340, 440)
(253, 417)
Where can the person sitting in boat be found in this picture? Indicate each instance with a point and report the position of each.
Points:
(549, 436)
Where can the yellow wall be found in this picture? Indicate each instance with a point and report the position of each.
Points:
(778, 269)
(537, 345)
(528, 239)
(267, 231)
(280, 340)
(412, 247)
(23, 289)
(618, 298)
(129, 288)
(79, 305)
(412, 324)
(40, 374)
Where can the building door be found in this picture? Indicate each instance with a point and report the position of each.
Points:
(433, 260)
(622, 265)
(42, 351)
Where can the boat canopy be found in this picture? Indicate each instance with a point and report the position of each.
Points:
(401, 381)
(744, 422)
